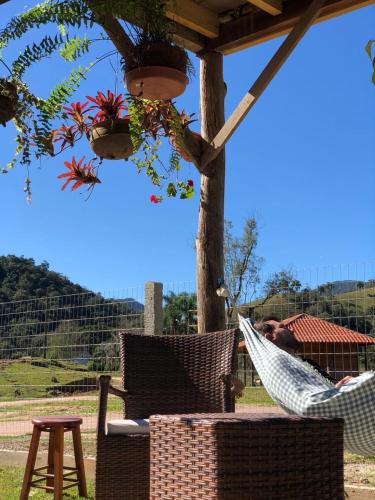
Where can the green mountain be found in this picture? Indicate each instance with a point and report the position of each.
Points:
(22, 279)
(44, 315)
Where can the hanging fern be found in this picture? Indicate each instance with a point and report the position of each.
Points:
(74, 48)
(36, 52)
(73, 13)
(51, 108)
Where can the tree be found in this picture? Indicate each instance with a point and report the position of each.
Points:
(180, 312)
(283, 282)
(241, 265)
(326, 289)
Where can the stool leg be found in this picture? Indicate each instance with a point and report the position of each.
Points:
(82, 488)
(50, 468)
(58, 462)
(30, 464)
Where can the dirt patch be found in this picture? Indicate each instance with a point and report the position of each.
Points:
(360, 474)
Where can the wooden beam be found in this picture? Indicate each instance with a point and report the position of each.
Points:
(188, 39)
(273, 7)
(210, 236)
(262, 81)
(258, 27)
(194, 16)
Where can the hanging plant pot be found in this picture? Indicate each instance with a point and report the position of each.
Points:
(180, 149)
(8, 101)
(111, 140)
(159, 72)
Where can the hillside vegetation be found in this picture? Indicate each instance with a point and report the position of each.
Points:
(354, 310)
(44, 315)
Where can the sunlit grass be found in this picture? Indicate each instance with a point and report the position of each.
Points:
(256, 396)
(11, 481)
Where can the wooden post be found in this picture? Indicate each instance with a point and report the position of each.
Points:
(210, 238)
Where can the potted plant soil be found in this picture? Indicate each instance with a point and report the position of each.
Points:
(158, 71)
(107, 131)
(8, 101)
(110, 134)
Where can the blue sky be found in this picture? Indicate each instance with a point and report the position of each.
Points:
(303, 163)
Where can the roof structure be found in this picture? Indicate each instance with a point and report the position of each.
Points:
(307, 328)
(228, 26)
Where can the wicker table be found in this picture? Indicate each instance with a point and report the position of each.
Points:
(246, 456)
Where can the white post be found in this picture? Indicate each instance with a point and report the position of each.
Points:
(153, 312)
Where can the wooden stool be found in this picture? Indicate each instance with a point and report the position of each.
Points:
(54, 473)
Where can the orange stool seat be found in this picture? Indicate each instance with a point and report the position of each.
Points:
(55, 474)
(54, 420)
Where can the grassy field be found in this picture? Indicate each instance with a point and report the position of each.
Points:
(23, 379)
(360, 297)
(255, 396)
(357, 470)
(11, 480)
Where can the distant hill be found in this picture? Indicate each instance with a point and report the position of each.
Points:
(344, 286)
(133, 305)
(44, 314)
(352, 309)
(22, 279)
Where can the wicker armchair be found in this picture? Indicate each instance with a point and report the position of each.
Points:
(161, 375)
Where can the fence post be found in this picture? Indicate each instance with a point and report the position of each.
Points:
(153, 312)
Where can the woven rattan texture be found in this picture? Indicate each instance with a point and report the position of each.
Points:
(246, 457)
(122, 468)
(163, 374)
(177, 373)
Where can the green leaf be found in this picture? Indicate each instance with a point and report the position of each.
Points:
(171, 189)
(74, 48)
(66, 12)
(368, 48)
(62, 29)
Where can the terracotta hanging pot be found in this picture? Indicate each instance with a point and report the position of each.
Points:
(159, 72)
(111, 140)
(180, 149)
(8, 101)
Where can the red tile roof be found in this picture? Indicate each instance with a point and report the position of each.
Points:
(306, 328)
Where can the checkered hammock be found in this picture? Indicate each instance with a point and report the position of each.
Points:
(298, 388)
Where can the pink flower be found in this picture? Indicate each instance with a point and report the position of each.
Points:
(190, 183)
(155, 199)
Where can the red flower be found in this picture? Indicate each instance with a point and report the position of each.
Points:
(67, 136)
(109, 106)
(76, 112)
(190, 183)
(80, 173)
(155, 199)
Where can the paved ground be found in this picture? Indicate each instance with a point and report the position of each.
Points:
(21, 427)
(23, 402)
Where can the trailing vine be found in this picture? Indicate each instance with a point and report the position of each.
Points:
(35, 118)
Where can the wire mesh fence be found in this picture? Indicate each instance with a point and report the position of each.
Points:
(51, 351)
(53, 348)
